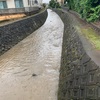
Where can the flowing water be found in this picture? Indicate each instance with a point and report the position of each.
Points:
(30, 70)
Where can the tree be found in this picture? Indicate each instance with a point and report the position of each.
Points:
(54, 4)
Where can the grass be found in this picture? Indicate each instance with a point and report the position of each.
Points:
(92, 36)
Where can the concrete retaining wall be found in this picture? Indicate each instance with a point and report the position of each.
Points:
(12, 33)
(79, 75)
(25, 10)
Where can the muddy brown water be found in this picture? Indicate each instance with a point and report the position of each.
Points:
(30, 70)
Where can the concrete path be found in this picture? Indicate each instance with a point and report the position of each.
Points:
(30, 70)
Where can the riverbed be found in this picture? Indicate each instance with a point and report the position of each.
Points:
(30, 70)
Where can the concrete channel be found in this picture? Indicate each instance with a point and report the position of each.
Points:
(30, 70)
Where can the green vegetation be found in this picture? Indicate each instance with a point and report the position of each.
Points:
(54, 4)
(91, 35)
(88, 9)
(44, 5)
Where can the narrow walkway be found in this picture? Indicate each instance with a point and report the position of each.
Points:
(30, 70)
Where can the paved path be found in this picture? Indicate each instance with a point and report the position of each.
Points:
(30, 70)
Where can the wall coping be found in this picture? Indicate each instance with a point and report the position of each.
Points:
(10, 22)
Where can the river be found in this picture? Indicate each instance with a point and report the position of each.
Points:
(30, 70)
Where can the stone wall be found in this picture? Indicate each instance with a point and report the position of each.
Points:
(12, 33)
(79, 75)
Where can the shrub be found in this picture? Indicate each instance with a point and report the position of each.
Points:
(54, 4)
(95, 14)
(88, 9)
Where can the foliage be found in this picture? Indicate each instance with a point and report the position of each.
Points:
(95, 15)
(44, 5)
(88, 9)
(54, 4)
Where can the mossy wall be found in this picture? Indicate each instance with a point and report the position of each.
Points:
(79, 75)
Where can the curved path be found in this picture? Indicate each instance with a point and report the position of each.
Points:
(30, 70)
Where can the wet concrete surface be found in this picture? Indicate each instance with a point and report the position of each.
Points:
(30, 70)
